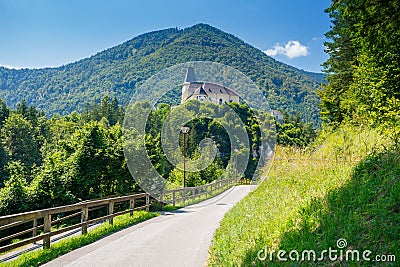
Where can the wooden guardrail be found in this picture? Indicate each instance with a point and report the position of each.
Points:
(82, 209)
(184, 194)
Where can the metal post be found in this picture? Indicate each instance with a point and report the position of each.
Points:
(184, 130)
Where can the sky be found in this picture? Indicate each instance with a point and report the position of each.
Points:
(50, 33)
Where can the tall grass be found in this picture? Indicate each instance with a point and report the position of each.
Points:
(347, 186)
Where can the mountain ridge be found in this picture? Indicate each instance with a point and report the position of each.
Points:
(117, 71)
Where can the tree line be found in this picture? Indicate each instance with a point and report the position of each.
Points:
(47, 162)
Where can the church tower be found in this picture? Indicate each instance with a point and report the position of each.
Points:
(190, 77)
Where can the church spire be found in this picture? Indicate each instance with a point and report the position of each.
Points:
(190, 77)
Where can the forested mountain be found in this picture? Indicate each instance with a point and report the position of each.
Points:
(119, 70)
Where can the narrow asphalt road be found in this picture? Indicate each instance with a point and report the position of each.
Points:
(179, 238)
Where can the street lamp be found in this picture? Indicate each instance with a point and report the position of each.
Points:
(184, 130)
(236, 169)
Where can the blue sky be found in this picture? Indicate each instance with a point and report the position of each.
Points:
(45, 33)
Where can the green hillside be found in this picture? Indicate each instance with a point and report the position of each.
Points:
(346, 186)
(119, 70)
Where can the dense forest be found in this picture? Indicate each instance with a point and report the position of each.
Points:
(61, 160)
(363, 67)
(118, 71)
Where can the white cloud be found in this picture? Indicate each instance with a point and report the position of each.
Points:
(292, 49)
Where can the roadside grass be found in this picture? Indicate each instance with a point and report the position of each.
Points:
(346, 187)
(365, 212)
(66, 245)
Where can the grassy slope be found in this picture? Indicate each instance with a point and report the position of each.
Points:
(348, 188)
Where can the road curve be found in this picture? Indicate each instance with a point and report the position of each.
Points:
(179, 238)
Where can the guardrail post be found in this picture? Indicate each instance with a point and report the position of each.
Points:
(84, 218)
(46, 230)
(34, 231)
(147, 202)
(173, 198)
(110, 212)
(131, 206)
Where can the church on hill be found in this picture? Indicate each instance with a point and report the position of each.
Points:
(206, 91)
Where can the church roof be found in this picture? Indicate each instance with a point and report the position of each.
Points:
(200, 88)
(204, 88)
(216, 88)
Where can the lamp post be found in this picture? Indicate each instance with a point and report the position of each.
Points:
(236, 168)
(184, 130)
